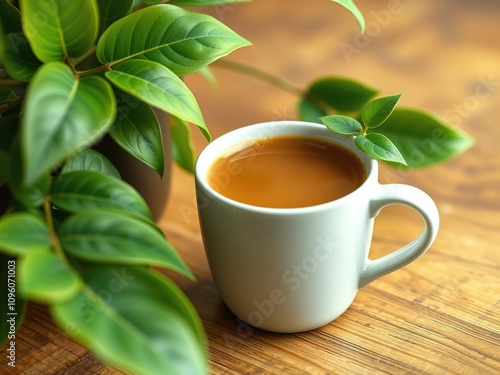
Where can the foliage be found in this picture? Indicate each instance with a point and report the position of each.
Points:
(409, 138)
(403, 137)
(81, 238)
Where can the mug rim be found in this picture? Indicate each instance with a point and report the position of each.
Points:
(284, 127)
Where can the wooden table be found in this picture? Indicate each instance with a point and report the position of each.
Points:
(439, 315)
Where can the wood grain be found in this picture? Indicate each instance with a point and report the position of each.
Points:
(439, 315)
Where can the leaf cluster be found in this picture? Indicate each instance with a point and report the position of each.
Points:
(373, 115)
(403, 137)
(83, 239)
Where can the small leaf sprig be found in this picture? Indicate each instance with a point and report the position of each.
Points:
(373, 115)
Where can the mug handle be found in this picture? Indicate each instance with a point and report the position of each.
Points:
(418, 200)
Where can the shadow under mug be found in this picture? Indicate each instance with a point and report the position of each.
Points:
(296, 269)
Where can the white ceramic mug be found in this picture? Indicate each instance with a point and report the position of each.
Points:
(296, 269)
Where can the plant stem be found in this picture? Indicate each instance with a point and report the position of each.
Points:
(101, 68)
(87, 54)
(82, 59)
(47, 208)
(365, 130)
(9, 82)
(9, 105)
(261, 75)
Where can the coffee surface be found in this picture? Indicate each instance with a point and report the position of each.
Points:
(286, 171)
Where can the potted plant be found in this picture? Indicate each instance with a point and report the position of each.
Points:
(76, 237)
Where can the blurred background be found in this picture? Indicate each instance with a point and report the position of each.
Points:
(437, 53)
(443, 55)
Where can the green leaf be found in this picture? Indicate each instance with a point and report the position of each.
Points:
(31, 195)
(341, 94)
(423, 138)
(90, 160)
(60, 29)
(209, 75)
(342, 124)
(62, 115)
(181, 40)
(136, 320)
(349, 4)
(7, 96)
(379, 147)
(44, 277)
(375, 112)
(107, 237)
(10, 18)
(21, 233)
(137, 131)
(157, 86)
(19, 61)
(182, 146)
(10, 22)
(12, 306)
(90, 191)
(111, 11)
(310, 111)
(9, 127)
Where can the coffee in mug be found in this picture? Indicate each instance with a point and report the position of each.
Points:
(282, 263)
(286, 171)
